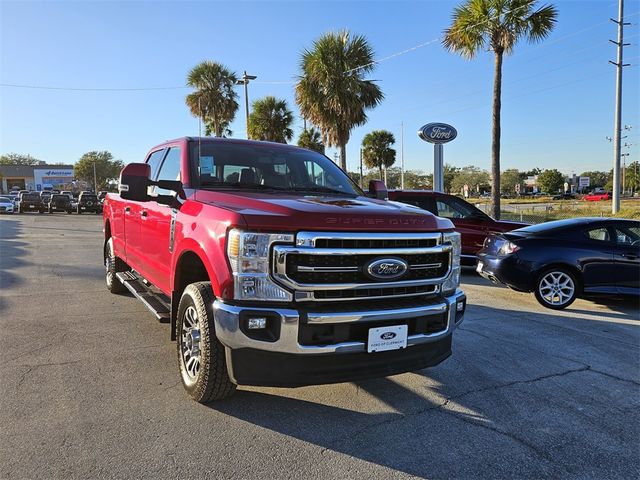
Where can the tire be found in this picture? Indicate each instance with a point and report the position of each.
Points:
(19, 209)
(113, 265)
(556, 288)
(204, 376)
(41, 211)
(49, 210)
(69, 212)
(79, 211)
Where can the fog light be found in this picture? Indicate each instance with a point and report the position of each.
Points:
(257, 323)
(460, 306)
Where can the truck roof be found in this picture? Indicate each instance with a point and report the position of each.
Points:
(258, 143)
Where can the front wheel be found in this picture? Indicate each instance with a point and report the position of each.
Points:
(201, 356)
(556, 288)
(78, 210)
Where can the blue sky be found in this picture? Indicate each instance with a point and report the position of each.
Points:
(558, 96)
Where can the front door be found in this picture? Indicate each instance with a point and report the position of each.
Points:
(157, 224)
(134, 217)
(627, 258)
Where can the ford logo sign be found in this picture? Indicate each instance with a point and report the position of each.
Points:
(386, 268)
(437, 133)
(388, 336)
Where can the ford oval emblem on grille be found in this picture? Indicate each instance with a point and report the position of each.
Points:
(387, 336)
(386, 268)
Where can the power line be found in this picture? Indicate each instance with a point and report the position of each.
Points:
(416, 47)
(90, 89)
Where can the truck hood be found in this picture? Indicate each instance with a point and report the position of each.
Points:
(291, 212)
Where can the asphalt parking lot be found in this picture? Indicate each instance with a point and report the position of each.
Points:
(90, 388)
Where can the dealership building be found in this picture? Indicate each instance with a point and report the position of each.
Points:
(34, 177)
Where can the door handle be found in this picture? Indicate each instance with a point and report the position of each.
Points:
(143, 213)
(127, 209)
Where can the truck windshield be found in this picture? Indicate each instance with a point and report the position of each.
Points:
(229, 165)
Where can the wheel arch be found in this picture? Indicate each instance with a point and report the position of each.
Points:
(189, 268)
(577, 273)
(107, 236)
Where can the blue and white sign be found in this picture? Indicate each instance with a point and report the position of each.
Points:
(437, 133)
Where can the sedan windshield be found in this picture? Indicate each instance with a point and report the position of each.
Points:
(262, 167)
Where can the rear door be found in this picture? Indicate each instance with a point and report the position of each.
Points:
(627, 258)
(472, 228)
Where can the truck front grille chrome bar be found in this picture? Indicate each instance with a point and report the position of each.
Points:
(306, 268)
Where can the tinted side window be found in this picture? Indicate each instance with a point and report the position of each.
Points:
(154, 161)
(424, 203)
(628, 236)
(170, 169)
(599, 234)
(449, 208)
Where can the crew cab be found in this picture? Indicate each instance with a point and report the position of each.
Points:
(273, 268)
(88, 202)
(59, 203)
(472, 223)
(30, 202)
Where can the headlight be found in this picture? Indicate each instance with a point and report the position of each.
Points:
(453, 280)
(248, 254)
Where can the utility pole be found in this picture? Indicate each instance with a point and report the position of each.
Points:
(402, 155)
(95, 179)
(361, 178)
(615, 204)
(245, 81)
(624, 171)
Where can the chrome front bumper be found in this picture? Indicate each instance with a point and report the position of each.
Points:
(227, 325)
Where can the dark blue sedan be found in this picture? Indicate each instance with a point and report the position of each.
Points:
(562, 260)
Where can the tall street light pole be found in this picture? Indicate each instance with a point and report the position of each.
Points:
(615, 204)
(245, 81)
(95, 179)
(402, 155)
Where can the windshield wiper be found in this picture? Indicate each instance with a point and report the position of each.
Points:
(247, 186)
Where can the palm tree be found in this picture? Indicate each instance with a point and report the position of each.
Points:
(377, 151)
(215, 98)
(270, 120)
(332, 91)
(498, 25)
(311, 139)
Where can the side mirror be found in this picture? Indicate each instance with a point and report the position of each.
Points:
(134, 180)
(377, 189)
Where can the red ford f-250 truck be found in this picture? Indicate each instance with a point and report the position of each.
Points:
(273, 268)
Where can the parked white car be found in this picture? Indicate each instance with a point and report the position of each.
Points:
(6, 205)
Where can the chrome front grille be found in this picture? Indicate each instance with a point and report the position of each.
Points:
(334, 266)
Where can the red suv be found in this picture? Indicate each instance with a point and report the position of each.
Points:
(472, 223)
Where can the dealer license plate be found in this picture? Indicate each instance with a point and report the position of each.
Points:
(387, 338)
(479, 267)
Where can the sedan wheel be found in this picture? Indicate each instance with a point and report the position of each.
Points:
(556, 289)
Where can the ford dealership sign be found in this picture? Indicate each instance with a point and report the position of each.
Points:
(437, 133)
